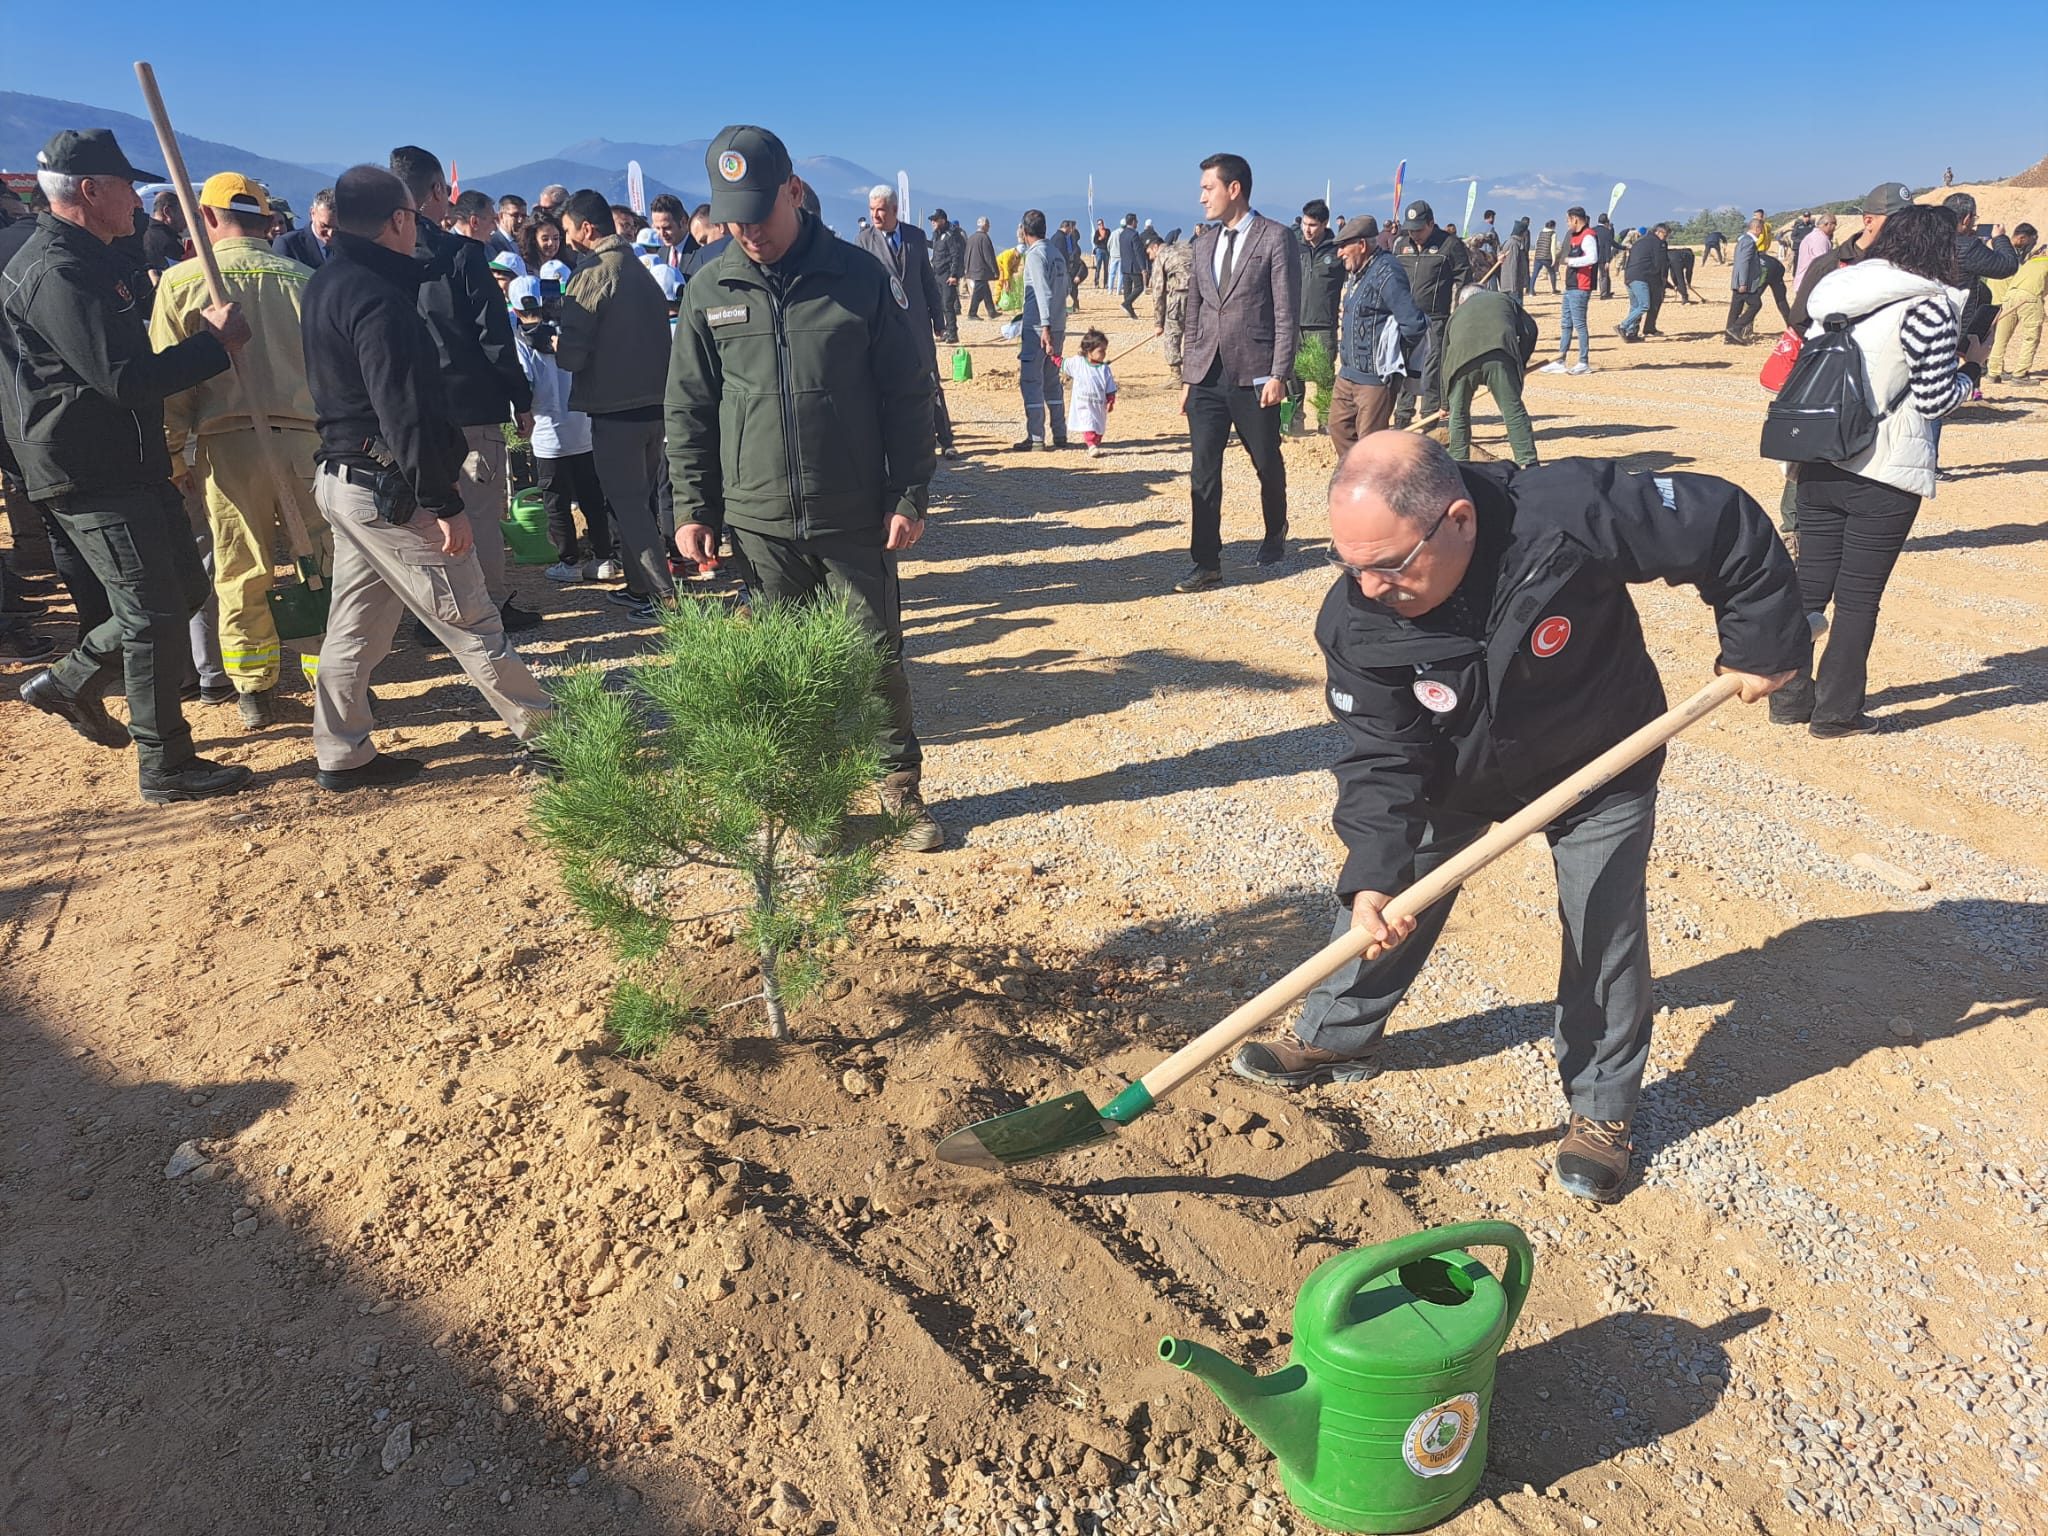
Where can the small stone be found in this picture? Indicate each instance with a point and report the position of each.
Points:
(246, 1227)
(1589, 1522)
(579, 1477)
(398, 1138)
(856, 1082)
(603, 1281)
(397, 1446)
(184, 1160)
(717, 1128)
(507, 1404)
(458, 1474)
(787, 1505)
(384, 1308)
(1265, 1140)
(1901, 1028)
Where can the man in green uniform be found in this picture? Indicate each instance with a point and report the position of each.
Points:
(800, 417)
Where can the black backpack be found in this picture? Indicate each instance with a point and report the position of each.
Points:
(1824, 413)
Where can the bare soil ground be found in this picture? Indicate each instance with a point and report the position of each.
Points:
(443, 1262)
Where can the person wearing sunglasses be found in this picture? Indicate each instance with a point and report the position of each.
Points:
(1481, 645)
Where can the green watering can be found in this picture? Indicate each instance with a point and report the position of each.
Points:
(526, 530)
(1379, 1420)
(963, 365)
(299, 608)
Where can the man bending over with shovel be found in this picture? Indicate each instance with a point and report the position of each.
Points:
(1481, 645)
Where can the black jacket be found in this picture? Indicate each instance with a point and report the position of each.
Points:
(1437, 269)
(375, 372)
(301, 245)
(1562, 673)
(1977, 260)
(949, 253)
(1648, 261)
(910, 264)
(83, 393)
(1322, 285)
(472, 329)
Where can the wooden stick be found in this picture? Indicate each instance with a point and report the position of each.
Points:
(288, 489)
(1436, 885)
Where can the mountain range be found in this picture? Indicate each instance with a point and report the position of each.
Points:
(27, 123)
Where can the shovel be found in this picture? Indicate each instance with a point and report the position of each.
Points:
(298, 610)
(1071, 1121)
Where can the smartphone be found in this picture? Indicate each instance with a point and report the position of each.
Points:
(1984, 231)
(550, 287)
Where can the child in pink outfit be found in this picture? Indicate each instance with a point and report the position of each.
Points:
(1094, 390)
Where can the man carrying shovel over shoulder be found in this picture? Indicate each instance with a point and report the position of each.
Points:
(1481, 645)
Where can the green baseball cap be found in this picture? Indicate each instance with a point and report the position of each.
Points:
(90, 152)
(747, 167)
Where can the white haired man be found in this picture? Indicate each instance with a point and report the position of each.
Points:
(906, 254)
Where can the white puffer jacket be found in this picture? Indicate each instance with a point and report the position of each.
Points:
(1903, 454)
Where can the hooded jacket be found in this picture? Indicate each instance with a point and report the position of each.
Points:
(1558, 671)
(83, 396)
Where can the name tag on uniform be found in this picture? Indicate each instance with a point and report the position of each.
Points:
(726, 314)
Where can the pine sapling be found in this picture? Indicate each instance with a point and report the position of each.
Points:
(741, 745)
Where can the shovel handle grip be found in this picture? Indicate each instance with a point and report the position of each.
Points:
(1356, 1270)
(1433, 887)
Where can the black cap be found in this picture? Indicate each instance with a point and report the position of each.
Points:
(1419, 215)
(89, 152)
(1888, 198)
(937, 216)
(747, 166)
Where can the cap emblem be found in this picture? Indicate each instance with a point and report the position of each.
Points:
(732, 165)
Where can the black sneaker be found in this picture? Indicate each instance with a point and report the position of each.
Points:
(197, 780)
(517, 618)
(380, 772)
(1834, 730)
(1290, 1064)
(626, 597)
(1199, 579)
(87, 716)
(1272, 550)
(1059, 442)
(1028, 445)
(1592, 1161)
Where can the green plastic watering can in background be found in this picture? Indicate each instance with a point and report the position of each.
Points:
(1379, 1419)
(299, 608)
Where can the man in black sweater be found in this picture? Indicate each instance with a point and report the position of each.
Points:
(1481, 646)
(390, 462)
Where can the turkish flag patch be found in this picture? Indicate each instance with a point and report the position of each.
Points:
(1550, 636)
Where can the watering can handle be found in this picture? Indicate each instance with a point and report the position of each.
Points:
(1356, 1270)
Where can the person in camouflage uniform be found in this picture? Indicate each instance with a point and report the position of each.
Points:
(1171, 267)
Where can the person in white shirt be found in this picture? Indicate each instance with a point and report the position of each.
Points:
(564, 466)
(1094, 394)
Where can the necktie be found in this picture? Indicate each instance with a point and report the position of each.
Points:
(1229, 259)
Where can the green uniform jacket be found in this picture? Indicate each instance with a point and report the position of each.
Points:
(799, 403)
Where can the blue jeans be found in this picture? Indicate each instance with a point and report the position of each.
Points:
(1638, 305)
(1576, 301)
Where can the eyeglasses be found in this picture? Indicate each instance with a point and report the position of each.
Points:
(1388, 572)
(413, 211)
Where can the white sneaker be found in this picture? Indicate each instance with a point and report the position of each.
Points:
(1093, 450)
(1580, 368)
(610, 570)
(562, 571)
(1556, 367)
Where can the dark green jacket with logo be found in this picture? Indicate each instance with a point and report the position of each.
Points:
(799, 402)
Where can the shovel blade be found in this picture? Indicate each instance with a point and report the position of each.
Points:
(1028, 1134)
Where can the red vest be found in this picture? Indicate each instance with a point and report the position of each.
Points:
(1587, 277)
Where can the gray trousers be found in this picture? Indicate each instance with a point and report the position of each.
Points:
(1601, 1030)
(204, 628)
(486, 497)
(1039, 380)
(380, 570)
(139, 544)
(797, 570)
(628, 455)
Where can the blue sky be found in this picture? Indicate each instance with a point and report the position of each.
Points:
(1725, 102)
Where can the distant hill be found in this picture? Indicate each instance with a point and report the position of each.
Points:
(527, 180)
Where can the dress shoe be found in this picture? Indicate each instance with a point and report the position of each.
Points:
(1272, 549)
(517, 618)
(380, 772)
(1290, 1064)
(1835, 730)
(88, 716)
(195, 780)
(1592, 1160)
(255, 707)
(1199, 579)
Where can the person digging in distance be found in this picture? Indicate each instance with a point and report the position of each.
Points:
(1481, 645)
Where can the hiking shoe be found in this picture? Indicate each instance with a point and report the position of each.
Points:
(564, 572)
(87, 716)
(380, 772)
(197, 780)
(255, 708)
(1200, 579)
(1580, 368)
(609, 570)
(900, 797)
(1592, 1161)
(1290, 1064)
(517, 618)
(1556, 367)
(1834, 730)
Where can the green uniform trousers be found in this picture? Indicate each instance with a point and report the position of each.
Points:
(1502, 380)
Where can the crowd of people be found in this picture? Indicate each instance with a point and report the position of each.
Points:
(735, 382)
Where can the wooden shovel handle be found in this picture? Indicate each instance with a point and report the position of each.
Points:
(1436, 885)
(288, 490)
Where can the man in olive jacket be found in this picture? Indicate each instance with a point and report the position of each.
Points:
(800, 418)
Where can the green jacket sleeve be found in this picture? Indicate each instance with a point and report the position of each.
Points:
(691, 414)
(903, 396)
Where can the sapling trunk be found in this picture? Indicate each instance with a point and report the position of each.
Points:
(771, 954)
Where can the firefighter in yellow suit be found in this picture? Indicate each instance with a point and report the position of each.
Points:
(241, 495)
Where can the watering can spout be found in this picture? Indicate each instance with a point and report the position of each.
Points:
(1282, 1409)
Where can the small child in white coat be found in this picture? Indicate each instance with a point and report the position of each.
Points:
(1094, 391)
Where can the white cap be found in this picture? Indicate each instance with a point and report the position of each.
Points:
(647, 238)
(509, 261)
(664, 274)
(521, 291)
(555, 271)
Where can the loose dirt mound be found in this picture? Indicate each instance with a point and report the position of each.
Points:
(2034, 176)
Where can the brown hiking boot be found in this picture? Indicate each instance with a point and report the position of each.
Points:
(1290, 1064)
(1592, 1161)
(899, 797)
